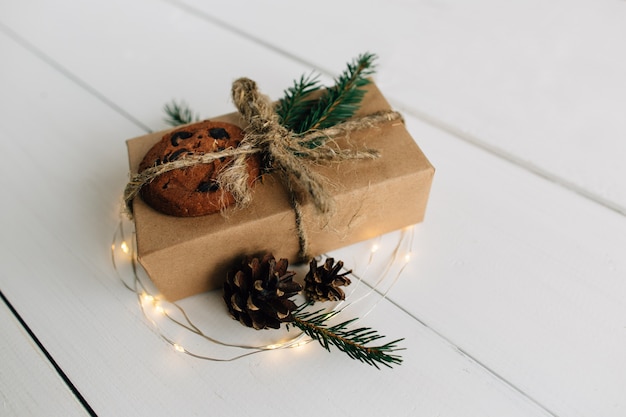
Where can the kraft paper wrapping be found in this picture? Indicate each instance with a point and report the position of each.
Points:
(187, 256)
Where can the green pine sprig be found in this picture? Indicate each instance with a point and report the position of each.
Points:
(298, 110)
(355, 342)
(295, 104)
(341, 101)
(179, 114)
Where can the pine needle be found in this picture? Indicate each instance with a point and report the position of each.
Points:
(342, 100)
(294, 106)
(297, 110)
(352, 342)
(179, 114)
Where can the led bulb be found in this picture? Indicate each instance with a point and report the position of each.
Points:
(407, 257)
(375, 247)
(179, 348)
(124, 247)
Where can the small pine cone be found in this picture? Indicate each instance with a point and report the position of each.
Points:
(257, 293)
(322, 283)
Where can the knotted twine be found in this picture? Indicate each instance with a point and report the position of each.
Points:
(285, 151)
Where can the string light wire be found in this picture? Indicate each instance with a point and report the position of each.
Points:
(405, 261)
(406, 238)
(144, 294)
(124, 246)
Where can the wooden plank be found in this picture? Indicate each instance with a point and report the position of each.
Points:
(524, 276)
(606, 261)
(479, 228)
(56, 270)
(538, 83)
(555, 262)
(141, 64)
(29, 385)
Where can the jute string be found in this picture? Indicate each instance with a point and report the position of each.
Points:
(286, 152)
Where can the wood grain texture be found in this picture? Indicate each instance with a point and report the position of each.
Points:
(29, 385)
(55, 267)
(526, 277)
(513, 305)
(142, 63)
(538, 83)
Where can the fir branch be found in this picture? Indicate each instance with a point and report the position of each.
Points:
(294, 105)
(179, 114)
(341, 101)
(298, 111)
(352, 342)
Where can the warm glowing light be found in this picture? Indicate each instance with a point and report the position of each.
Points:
(124, 247)
(151, 306)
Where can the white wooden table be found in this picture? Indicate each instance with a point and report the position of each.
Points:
(514, 303)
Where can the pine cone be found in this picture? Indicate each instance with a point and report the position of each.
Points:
(322, 283)
(257, 293)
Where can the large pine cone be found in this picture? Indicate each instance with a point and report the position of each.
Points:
(257, 293)
(322, 283)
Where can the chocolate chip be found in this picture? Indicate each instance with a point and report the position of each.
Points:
(176, 154)
(176, 137)
(219, 133)
(208, 186)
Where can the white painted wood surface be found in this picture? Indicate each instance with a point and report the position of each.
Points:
(538, 82)
(29, 385)
(514, 302)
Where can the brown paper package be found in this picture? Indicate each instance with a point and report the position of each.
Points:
(187, 256)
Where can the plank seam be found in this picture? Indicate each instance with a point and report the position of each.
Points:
(49, 357)
(71, 76)
(468, 356)
(507, 156)
(234, 29)
(424, 117)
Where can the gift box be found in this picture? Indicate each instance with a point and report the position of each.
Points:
(188, 255)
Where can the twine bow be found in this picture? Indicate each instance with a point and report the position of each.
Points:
(286, 152)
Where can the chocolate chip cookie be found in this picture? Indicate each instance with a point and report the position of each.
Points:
(193, 191)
